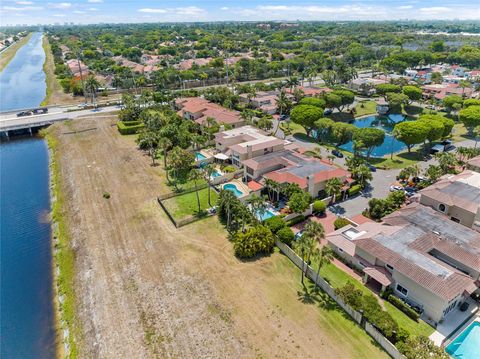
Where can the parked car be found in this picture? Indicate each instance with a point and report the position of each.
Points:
(410, 189)
(372, 167)
(283, 117)
(395, 188)
(337, 153)
(327, 111)
(24, 113)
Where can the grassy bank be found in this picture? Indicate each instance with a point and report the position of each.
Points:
(54, 92)
(9, 53)
(64, 257)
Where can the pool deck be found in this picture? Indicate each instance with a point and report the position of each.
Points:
(454, 323)
(240, 186)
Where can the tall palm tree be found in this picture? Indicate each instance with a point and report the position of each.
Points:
(91, 86)
(323, 256)
(269, 183)
(292, 82)
(305, 245)
(195, 175)
(314, 230)
(227, 202)
(164, 143)
(258, 206)
(208, 170)
(333, 187)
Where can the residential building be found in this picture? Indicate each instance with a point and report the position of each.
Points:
(187, 64)
(263, 100)
(456, 197)
(75, 66)
(431, 263)
(310, 91)
(198, 109)
(289, 166)
(440, 91)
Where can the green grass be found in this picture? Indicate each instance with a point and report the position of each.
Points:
(64, 254)
(399, 160)
(8, 55)
(338, 278)
(364, 108)
(186, 205)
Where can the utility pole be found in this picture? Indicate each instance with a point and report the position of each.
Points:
(81, 75)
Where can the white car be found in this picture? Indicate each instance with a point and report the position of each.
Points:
(396, 188)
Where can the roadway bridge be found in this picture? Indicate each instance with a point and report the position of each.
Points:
(10, 123)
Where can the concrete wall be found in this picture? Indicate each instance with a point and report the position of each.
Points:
(466, 218)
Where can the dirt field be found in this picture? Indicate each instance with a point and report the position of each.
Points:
(146, 289)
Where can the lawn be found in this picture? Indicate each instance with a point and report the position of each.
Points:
(338, 278)
(186, 205)
(399, 160)
(364, 108)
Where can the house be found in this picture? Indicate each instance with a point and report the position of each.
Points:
(289, 166)
(198, 109)
(76, 67)
(474, 164)
(187, 64)
(310, 91)
(247, 142)
(456, 197)
(265, 101)
(365, 86)
(457, 70)
(432, 264)
(440, 91)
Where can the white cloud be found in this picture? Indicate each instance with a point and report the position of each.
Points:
(435, 9)
(405, 7)
(178, 11)
(21, 8)
(59, 15)
(92, 9)
(79, 12)
(24, 3)
(60, 5)
(153, 11)
(95, 1)
(224, 8)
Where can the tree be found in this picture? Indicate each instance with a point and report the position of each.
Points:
(305, 245)
(446, 122)
(313, 101)
(257, 205)
(164, 144)
(470, 117)
(208, 170)
(436, 78)
(447, 161)
(332, 100)
(362, 175)
(149, 141)
(275, 224)
(421, 347)
(413, 92)
(285, 235)
(342, 133)
(323, 128)
(264, 123)
(463, 85)
(435, 129)
(299, 202)
(396, 100)
(305, 116)
(283, 103)
(292, 82)
(368, 138)
(333, 187)
(91, 86)
(255, 240)
(180, 161)
(195, 175)
(383, 89)
(471, 102)
(322, 256)
(451, 102)
(410, 133)
(346, 98)
(433, 173)
(315, 230)
(227, 202)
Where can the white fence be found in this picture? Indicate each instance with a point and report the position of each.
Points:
(356, 316)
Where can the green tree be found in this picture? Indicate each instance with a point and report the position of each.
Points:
(346, 99)
(421, 347)
(180, 161)
(447, 161)
(435, 130)
(148, 140)
(414, 93)
(342, 133)
(305, 245)
(362, 175)
(333, 187)
(91, 86)
(314, 230)
(433, 173)
(410, 133)
(299, 202)
(208, 170)
(313, 101)
(322, 257)
(471, 102)
(323, 128)
(446, 122)
(255, 240)
(452, 102)
(195, 175)
(305, 116)
(368, 139)
(383, 89)
(470, 117)
(285, 235)
(264, 123)
(396, 100)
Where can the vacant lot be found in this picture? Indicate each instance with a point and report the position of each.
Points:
(146, 289)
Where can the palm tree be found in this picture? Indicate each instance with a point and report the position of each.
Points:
(164, 143)
(196, 175)
(227, 201)
(292, 82)
(314, 230)
(362, 174)
(333, 187)
(269, 183)
(258, 206)
(203, 77)
(304, 245)
(208, 170)
(92, 85)
(323, 256)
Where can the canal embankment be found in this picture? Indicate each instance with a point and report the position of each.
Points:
(8, 54)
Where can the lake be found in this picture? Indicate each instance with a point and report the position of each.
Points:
(26, 306)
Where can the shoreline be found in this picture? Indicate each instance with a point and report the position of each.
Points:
(62, 260)
(10, 53)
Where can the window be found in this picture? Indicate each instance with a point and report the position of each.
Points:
(250, 171)
(442, 207)
(389, 266)
(340, 249)
(402, 290)
(455, 219)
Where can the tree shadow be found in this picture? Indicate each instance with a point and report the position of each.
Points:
(341, 117)
(304, 138)
(411, 110)
(336, 209)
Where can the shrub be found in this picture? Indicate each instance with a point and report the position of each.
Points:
(295, 220)
(106, 195)
(319, 207)
(275, 224)
(352, 191)
(286, 235)
(255, 240)
(403, 307)
(341, 222)
(129, 128)
(229, 169)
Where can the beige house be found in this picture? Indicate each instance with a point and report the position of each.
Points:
(457, 197)
(431, 263)
(247, 142)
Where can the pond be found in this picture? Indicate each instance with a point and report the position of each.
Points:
(385, 123)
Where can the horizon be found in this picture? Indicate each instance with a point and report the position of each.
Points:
(90, 12)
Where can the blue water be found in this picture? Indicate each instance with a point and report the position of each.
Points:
(199, 156)
(234, 189)
(216, 174)
(27, 316)
(467, 344)
(385, 123)
(265, 215)
(22, 82)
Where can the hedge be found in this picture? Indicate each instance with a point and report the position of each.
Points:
(354, 190)
(286, 235)
(319, 207)
(275, 224)
(403, 307)
(129, 128)
(295, 220)
(341, 222)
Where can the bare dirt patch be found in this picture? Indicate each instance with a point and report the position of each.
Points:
(145, 289)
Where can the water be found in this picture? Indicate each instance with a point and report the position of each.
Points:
(234, 189)
(27, 320)
(385, 123)
(26, 308)
(199, 156)
(467, 344)
(265, 215)
(22, 82)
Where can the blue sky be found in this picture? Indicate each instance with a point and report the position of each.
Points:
(95, 11)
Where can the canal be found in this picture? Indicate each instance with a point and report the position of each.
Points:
(26, 305)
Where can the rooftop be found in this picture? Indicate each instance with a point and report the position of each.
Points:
(248, 136)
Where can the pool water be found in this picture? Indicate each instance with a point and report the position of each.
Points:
(265, 215)
(234, 189)
(385, 123)
(199, 156)
(467, 344)
(216, 174)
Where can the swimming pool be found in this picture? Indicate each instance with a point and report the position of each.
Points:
(265, 215)
(467, 344)
(231, 187)
(216, 174)
(199, 156)
(386, 124)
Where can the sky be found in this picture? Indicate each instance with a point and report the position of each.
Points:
(121, 11)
